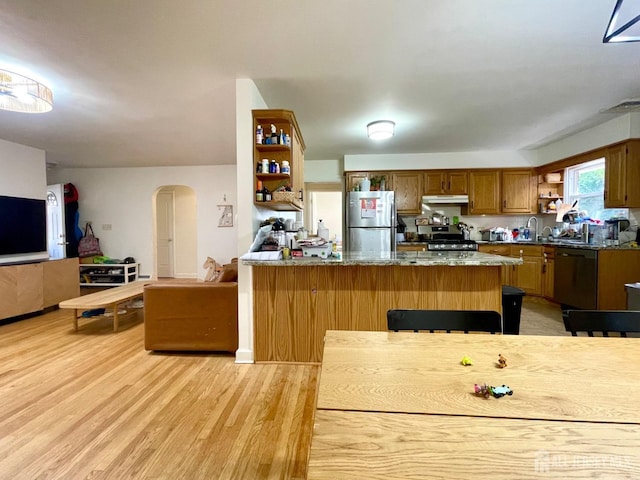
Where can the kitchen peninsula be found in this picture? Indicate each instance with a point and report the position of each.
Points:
(296, 301)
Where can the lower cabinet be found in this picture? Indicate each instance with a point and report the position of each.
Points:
(533, 275)
(20, 289)
(32, 287)
(528, 276)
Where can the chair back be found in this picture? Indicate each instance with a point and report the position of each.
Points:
(445, 320)
(604, 321)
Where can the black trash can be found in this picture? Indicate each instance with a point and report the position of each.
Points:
(511, 309)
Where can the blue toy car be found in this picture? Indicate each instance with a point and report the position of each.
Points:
(501, 391)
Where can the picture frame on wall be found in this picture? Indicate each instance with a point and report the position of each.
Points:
(226, 216)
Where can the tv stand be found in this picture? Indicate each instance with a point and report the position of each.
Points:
(32, 287)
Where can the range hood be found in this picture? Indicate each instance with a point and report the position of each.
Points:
(450, 199)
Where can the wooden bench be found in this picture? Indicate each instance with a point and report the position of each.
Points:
(110, 298)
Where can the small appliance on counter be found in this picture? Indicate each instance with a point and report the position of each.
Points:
(493, 235)
(614, 227)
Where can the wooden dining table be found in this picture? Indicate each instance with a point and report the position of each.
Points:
(402, 405)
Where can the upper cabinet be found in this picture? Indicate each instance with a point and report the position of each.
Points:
(492, 192)
(518, 191)
(622, 170)
(378, 180)
(409, 189)
(441, 182)
(484, 192)
(285, 146)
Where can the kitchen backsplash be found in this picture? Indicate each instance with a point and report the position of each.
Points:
(480, 222)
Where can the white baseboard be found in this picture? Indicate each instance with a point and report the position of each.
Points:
(244, 356)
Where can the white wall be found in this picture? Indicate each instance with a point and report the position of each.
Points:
(323, 171)
(247, 98)
(123, 198)
(23, 171)
(615, 130)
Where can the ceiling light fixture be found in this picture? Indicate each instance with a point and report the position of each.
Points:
(21, 94)
(622, 19)
(380, 129)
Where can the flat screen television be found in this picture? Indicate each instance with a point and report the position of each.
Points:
(23, 230)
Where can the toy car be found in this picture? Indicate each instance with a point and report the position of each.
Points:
(501, 391)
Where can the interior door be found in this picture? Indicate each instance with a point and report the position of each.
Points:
(165, 226)
(56, 234)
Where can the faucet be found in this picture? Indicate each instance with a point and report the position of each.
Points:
(533, 236)
(550, 231)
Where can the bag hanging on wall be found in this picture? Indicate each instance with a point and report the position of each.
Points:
(89, 245)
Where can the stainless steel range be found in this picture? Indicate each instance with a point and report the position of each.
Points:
(446, 238)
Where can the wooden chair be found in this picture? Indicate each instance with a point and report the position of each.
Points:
(446, 320)
(604, 321)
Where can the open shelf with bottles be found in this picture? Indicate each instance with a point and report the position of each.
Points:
(284, 124)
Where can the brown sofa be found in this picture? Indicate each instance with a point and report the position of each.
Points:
(200, 316)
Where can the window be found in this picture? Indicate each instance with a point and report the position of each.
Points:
(584, 183)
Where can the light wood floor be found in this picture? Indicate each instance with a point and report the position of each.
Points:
(95, 404)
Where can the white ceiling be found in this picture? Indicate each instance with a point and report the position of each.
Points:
(152, 82)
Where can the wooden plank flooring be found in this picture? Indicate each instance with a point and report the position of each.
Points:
(94, 404)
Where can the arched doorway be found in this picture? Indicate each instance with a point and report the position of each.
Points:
(175, 232)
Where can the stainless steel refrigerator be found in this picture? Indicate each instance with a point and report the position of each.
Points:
(371, 222)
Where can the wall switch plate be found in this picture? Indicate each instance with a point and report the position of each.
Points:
(106, 226)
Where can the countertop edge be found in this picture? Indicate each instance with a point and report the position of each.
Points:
(405, 259)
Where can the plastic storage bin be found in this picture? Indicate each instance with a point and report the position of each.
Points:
(511, 309)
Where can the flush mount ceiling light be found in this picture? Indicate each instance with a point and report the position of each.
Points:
(381, 129)
(21, 94)
(623, 25)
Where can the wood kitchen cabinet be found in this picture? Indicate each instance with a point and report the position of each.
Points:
(505, 251)
(528, 276)
(353, 179)
(441, 182)
(484, 192)
(408, 188)
(532, 276)
(622, 170)
(518, 191)
(286, 121)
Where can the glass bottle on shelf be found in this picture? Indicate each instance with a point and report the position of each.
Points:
(259, 193)
(281, 139)
(259, 135)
